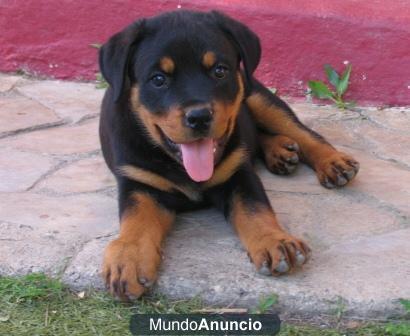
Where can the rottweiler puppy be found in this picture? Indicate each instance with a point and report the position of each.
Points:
(181, 124)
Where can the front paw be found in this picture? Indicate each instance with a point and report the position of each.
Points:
(281, 156)
(278, 253)
(336, 170)
(130, 268)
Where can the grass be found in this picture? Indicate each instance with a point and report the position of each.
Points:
(38, 305)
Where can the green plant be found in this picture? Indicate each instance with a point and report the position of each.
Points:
(340, 308)
(101, 82)
(96, 45)
(265, 303)
(340, 82)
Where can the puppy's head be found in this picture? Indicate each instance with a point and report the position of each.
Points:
(186, 74)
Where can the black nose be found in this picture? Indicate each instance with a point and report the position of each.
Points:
(198, 120)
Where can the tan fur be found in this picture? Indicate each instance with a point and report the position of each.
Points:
(209, 59)
(275, 120)
(250, 224)
(170, 123)
(320, 155)
(226, 113)
(156, 181)
(145, 218)
(227, 168)
(167, 65)
(262, 236)
(131, 261)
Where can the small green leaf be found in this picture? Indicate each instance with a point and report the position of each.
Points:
(101, 82)
(344, 81)
(332, 75)
(265, 303)
(96, 45)
(320, 90)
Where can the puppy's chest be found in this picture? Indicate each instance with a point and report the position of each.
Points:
(193, 191)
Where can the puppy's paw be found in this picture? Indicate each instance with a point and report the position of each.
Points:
(129, 269)
(336, 170)
(281, 155)
(278, 253)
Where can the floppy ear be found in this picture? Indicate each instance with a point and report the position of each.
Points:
(115, 54)
(245, 41)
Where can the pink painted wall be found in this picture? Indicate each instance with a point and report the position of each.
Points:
(52, 38)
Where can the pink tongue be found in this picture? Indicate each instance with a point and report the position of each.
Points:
(198, 159)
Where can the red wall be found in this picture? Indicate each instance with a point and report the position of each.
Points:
(52, 38)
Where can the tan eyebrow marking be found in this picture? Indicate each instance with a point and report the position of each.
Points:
(167, 65)
(209, 59)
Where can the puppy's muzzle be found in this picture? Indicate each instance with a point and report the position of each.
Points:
(199, 119)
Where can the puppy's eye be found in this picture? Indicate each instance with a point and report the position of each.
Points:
(158, 80)
(221, 71)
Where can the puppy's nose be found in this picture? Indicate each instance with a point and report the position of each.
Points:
(198, 120)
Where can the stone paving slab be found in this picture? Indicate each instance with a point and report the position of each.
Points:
(69, 100)
(12, 161)
(24, 114)
(59, 210)
(64, 140)
(41, 233)
(8, 82)
(75, 177)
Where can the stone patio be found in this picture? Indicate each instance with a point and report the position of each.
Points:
(58, 209)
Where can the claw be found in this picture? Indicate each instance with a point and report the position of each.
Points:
(293, 159)
(300, 258)
(349, 174)
(283, 266)
(293, 147)
(264, 269)
(327, 183)
(145, 282)
(341, 180)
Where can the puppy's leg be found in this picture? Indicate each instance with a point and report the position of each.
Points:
(280, 153)
(131, 261)
(333, 168)
(270, 247)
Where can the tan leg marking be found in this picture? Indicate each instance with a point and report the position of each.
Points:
(332, 167)
(271, 249)
(131, 261)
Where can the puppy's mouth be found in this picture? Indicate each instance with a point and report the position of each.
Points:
(198, 157)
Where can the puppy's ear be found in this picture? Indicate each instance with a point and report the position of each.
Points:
(115, 55)
(245, 41)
